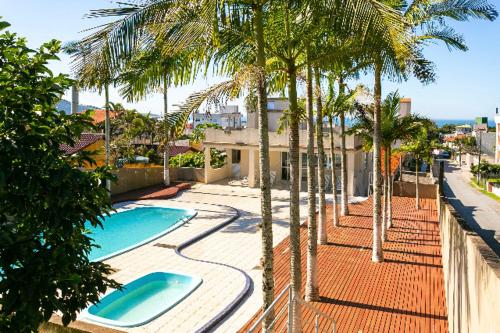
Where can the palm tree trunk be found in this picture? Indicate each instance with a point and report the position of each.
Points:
(344, 209)
(334, 174)
(377, 255)
(312, 292)
(417, 201)
(386, 197)
(107, 133)
(390, 190)
(322, 234)
(295, 260)
(166, 147)
(264, 174)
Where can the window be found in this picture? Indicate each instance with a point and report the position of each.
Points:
(236, 156)
(285, 166)
(328, 161)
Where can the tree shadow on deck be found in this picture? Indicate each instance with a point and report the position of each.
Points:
(380, 308)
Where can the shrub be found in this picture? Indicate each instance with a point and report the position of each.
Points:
(197, 159)
(45, 199)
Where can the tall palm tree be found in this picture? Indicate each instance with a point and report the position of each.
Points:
(312, 290)
(393, 128)
(96, 70)
(216, 22)
(344, 208)
(150, 71)
(330, 112)
(322, 233)
(420, 147)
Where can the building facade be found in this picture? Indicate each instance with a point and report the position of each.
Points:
(242, 150)
(228, 117)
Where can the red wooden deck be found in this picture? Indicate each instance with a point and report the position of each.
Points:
(152, 192)
(403, 294)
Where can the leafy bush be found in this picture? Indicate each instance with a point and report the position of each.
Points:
(153, 156)
(188, 160)
(45, 199)
(197, 159)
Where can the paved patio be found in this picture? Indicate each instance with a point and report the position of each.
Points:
(236, 245)
(403, 294)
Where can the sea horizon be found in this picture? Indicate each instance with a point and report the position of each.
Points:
(463, 121)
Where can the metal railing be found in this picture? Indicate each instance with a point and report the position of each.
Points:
(287, 326)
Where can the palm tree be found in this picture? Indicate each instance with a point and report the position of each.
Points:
(146, 21)
(150, 71)
(312, 290)
(330, 113)
(322, 234)
(344, 208)
(428, 22)
(96, 70)
(420, 147)
(393, 128)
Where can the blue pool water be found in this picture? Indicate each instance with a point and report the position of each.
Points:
(128, 229)
(143, 300)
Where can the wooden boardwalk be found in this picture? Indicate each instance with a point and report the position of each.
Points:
(403, 294)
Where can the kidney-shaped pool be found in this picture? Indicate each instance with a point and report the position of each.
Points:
(128, 229)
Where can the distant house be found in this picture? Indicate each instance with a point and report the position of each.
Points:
(88, 142)
(275, 108)
(228, 117)
(463, 129)
(99, 115)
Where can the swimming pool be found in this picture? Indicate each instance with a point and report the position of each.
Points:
(142, 300)
(131, 228)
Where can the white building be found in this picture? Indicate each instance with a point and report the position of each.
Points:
(275, 108)
(242, 148)
(404, 106)
(227, 117)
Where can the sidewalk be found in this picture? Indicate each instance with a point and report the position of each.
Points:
(481, 212)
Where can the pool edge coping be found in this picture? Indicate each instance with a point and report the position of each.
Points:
(193, 213)
(220, 317)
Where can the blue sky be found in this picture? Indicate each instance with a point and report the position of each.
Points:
(468, 83)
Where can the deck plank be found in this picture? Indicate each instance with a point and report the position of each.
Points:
(403, 294)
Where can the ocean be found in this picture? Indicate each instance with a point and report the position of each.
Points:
(441, 122)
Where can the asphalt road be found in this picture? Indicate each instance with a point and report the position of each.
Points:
(481, 212)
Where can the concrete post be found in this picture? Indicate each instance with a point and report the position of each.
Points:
(207, 164)
(251, 168)
(229, 162)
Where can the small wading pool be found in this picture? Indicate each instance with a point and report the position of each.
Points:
(131, 228)
(142, 300)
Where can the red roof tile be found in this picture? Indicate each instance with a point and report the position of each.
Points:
(99, 115)
(176, 150)
(86, 139)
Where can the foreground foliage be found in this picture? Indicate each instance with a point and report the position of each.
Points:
(45, 201)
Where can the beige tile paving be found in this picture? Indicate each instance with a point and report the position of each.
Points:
(238, 245)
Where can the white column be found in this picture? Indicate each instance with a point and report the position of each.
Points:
(207, 164)
(251, 168)
(229, 162)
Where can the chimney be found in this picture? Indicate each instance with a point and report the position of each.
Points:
(74, 99)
